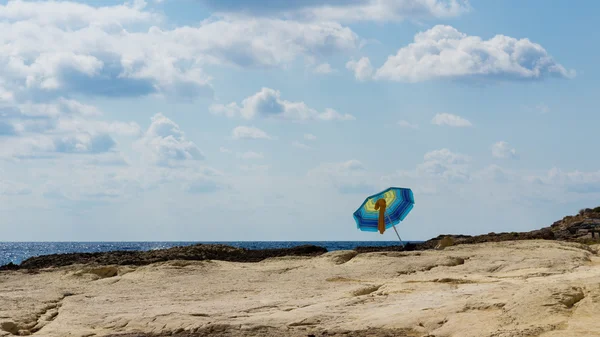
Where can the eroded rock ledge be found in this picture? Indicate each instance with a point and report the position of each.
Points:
(266, 331)
(137, 258)
(572, 228)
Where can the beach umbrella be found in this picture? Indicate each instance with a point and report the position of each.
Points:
(384, 210)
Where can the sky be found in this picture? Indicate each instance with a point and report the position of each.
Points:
(234, 120)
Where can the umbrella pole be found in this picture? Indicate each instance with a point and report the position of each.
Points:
(402, 243)
(395, 230)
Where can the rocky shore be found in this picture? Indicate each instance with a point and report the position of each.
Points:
(518, 288)
(574, 228)
(542, 283)
(197, 252)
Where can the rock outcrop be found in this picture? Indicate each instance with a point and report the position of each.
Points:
(578, 227)
(544, 288)
(572, 228)
(197, 252)
(541, 234)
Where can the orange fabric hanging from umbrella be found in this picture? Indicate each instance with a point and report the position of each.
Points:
(393, 204)
(380, 205)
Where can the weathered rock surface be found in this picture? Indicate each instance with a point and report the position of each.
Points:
(572, 228)
(541, 234)
(578, 227)
(197, 252)
(541, 283)
(542, 288)
(235, 331)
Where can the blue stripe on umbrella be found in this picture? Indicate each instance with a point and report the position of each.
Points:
(395, 212)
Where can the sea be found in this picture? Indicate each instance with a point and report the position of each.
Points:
(16, 252)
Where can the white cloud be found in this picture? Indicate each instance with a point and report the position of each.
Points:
(249, 132)
(406, 124)
(54, 48)
(12, 189)
(575, 182)
(348, 11)
(444, 52)
(362, 68)
(267, 103)
(542, 108)
(502, 149)
(251, 155)
(349, 167)
(166, 143)
(53, 53)
(35, 146)
(558, 176)
(268, 42)
(346, 177)
(442, 164)
(442, 169)
(73, 14)
(41, 130)
(229, 110)
(254, 168)
(300, 145)
(451, 177)
(84, 143)
(58, 107)
(496, 174)
(195, 178)
(323, 68)
(333, 115)
(204, 185)
(116, 182)
(447, 156)
(107, 159)
(97, 183)
(118, 128)
(382, 11)
(78, 108)
(6, 96)
(450, 120)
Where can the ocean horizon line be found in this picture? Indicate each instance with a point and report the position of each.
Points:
(17, 251)
(203, 241)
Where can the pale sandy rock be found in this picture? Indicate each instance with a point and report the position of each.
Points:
(447, 241)
(340, 256)
(520, 288)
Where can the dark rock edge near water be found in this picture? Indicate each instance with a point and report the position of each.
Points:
(571, 228)
(221, 330)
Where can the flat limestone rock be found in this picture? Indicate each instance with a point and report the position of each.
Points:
(513, 288)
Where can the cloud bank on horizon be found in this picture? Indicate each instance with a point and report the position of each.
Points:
(272, 120)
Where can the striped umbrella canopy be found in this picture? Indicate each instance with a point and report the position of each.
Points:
(384, 210)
